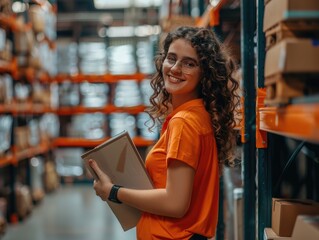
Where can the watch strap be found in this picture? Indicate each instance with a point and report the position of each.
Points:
(113, 194)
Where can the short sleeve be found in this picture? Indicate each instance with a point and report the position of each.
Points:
(183, 142)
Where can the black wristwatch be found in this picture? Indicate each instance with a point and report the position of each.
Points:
(113, 194)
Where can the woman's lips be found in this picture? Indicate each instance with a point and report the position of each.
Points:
(174, 79)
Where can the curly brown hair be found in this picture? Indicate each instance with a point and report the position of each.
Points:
(217, 86)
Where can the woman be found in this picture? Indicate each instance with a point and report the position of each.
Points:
(194, 100)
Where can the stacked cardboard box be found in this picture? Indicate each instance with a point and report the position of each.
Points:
(292, 59)
(269, 234)
(288, 219)
(306, 227)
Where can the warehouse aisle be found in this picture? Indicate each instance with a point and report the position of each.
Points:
(71, 213)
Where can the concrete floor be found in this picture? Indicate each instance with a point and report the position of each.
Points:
(73, 212)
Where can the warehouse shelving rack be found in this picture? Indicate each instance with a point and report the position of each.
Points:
(11, 160)
(298, 120)
(62, 111)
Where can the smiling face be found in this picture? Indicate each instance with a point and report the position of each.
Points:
(181, 72)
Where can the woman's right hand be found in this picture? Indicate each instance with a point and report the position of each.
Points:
(103, 184)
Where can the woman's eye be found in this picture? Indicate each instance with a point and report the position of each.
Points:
(189, 64)
(171, 60)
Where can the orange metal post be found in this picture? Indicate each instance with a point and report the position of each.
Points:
(261, 136)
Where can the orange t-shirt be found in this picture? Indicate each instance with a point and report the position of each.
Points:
(187, 135)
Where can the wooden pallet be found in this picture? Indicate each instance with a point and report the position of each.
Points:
(298, 29)
(280, 89)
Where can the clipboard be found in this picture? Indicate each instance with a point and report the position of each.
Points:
(119, 159)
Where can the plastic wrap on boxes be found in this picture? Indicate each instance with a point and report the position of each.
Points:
(69, 161)
(67, 57)
(49, 126)
(94, 94)
(48, 58)
(50, 25)
(3, 37)
(121, 59)
(146, 91)
(5, 132)
(127, 94)
(22, 91)
(93, 58)
(34, 132)
(54, 93)
(120, 122)
(90, 126)
(36, 172)
(69, 94)
(144, 53)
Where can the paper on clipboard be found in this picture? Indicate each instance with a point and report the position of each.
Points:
(120, 160)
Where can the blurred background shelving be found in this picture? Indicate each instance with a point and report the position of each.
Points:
(64, 66)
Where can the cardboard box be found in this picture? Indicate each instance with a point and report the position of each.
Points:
(269, 234)
(119, 158)
(281, 10)
(285, 212)
(306, 227)
(292, 55)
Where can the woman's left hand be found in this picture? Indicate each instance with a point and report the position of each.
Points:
(103, 184)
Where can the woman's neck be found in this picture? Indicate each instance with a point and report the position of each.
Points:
(179, 100)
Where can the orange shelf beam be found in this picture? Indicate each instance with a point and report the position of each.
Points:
(76, 142)
(211, 15)
(31, 74)
(6, 160)
(19, 155)
(4, 108)
(105, 78)
(300, 121)
(107, 109)
(88, 143)
(9, 22)
(32, 151)
(26, 108)
(8, 67)
(142, 142)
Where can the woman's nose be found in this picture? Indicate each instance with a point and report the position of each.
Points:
(177, 67)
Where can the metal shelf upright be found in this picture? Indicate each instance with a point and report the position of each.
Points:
(248, 26)
(298, 120)
(264, 181)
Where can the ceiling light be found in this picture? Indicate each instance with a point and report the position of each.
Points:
(130, 31)
(106, 4)
(127, 31)
(19, 7)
